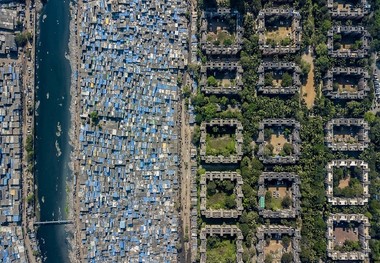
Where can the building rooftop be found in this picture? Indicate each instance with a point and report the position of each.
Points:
(279, 185)
(129, 158)
(347, 134)
(362, 182)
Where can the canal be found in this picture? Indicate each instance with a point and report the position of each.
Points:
(52, 127)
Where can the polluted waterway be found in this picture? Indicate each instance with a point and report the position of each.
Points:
(52, 128)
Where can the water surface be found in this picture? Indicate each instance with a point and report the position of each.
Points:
(52, 146)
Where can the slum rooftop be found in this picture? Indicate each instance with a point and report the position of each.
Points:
(132, 52)
(11, 240)
(10, 144)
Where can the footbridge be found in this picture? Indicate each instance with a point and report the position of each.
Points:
(53, 222)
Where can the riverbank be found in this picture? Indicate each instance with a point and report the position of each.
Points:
(73, 57)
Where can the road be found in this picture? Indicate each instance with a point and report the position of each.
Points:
(76, 16)
(185, 149)
(28, 80)
(185, 178)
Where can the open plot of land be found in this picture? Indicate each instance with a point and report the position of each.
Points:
(278, 196)
(347, 182)
(345, 42)
(217, 201)
(278, 28)
(344, 5)
(346, 83)
(220, 250)
(220, 145)
(308, 89)
(217, 78)
(347, 134)
(278, 142)
(279, 191)
(343, 183)
(221, 31)
(220, 195)
(220, 141)
(341, 234)
(275, 249)
(279, 34)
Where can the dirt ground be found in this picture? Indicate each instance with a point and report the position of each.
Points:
(341, 234)
(279, 34)
(226, 82)
(277, 82)
(281, 190)
(276, 250)
(348, 88)
(308, 90)
(278, 142)
(344, 182)
(346, 138)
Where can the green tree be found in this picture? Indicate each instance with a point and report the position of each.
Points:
(211, 81)
(268, 199)
(211, 188)
(268, 258)
(228, 186)
(268, 79)
(285, 241)
(231, 201)
(288, 148)
(94, 117)
(287, 80)
(228, 42)
(21, 39)
(286, 41)
(305, 67)
(286, 202)
(287, 258)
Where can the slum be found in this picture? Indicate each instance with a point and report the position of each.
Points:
(11, 238)
(132, 55)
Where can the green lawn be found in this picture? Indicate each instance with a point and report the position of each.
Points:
(222, 145)
(219, 201)
(222, 37)
(274, 204)
(224, 251)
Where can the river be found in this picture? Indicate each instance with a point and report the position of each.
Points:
(52, 127)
